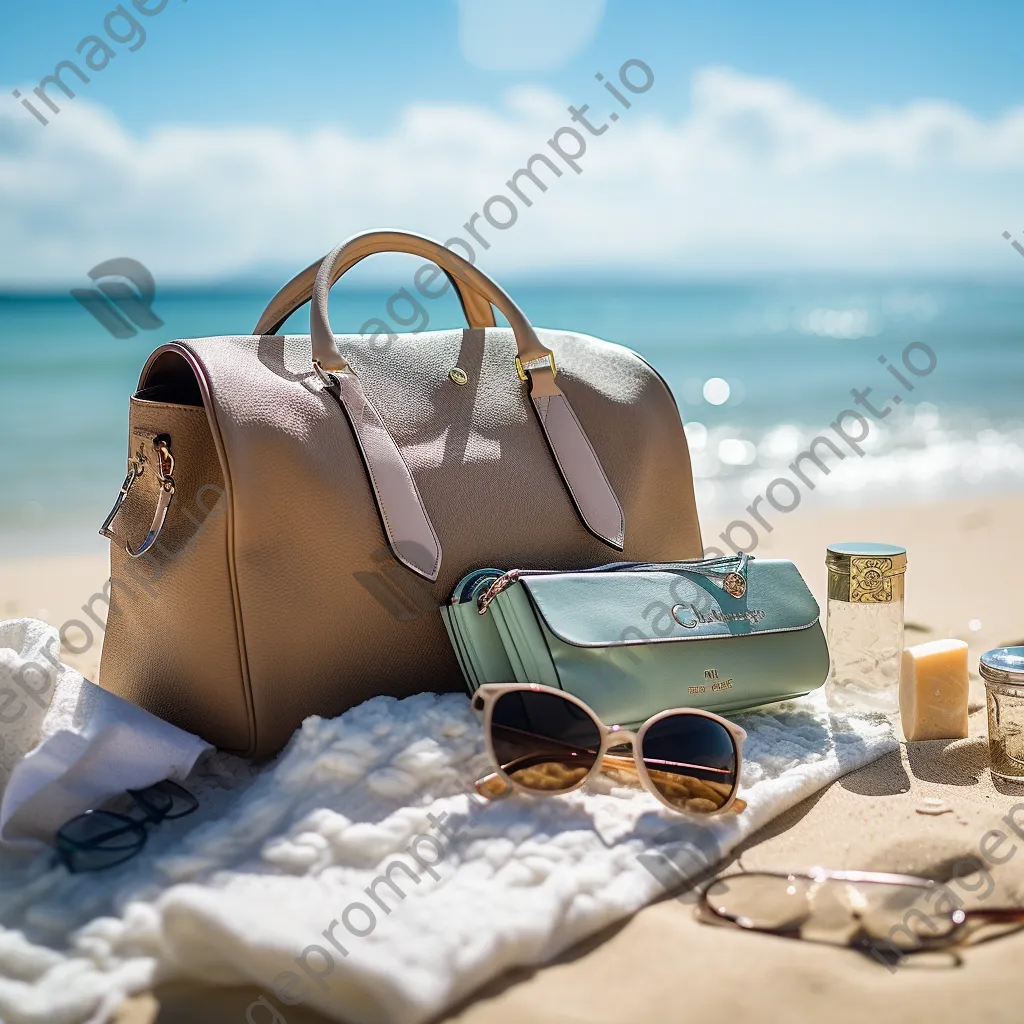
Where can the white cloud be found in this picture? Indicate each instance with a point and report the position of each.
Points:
(769, 120)
(755, 177)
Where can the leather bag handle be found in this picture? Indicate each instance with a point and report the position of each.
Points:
(299, 290)
(406, 524)
(357, 248)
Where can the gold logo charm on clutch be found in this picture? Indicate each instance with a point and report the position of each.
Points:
(734, 584)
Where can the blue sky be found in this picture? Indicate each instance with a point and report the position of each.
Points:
(219, 78)
(287, 63)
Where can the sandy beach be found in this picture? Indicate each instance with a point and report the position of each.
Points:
(965, 564)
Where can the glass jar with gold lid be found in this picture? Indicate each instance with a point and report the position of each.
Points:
(865, 625)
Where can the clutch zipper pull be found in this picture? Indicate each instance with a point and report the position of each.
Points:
(735, 582)
(495, 589)
(732, 581)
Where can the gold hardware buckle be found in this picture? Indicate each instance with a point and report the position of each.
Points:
(522, 372)
(329, 378)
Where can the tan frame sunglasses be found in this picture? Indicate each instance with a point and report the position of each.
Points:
(561, 766)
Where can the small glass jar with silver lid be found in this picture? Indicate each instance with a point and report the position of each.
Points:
(865, 626)
(1003, 673)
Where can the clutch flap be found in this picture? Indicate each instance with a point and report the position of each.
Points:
(605, 609)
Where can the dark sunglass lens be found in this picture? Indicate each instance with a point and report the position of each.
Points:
(164, 800)
(543, 741)
(100, 829)
(182, 801)
(153, 802)
(691, 760)
(99, 839)
(77, 861)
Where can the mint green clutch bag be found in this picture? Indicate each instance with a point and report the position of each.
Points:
(632, 639)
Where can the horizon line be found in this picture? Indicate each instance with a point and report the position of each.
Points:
(580, 279)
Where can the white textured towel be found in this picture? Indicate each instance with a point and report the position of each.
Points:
(277, 885)
(65, 744)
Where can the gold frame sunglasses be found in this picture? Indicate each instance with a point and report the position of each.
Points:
(888, 916)
(547, 764)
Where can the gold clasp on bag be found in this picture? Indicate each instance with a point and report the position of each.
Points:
(165, 478)
(522, 372)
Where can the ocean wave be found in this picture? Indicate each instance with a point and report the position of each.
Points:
(914, 453)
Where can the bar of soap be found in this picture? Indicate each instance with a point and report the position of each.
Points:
(933, 691)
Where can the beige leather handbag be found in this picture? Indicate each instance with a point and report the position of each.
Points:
(297, 508)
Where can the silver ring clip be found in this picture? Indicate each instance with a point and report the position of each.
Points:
(165, 477)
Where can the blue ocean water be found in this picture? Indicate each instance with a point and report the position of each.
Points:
(759, 369)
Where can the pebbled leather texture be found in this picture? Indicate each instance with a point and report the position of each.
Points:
(171, 641)
(292, 602)
(573, 453)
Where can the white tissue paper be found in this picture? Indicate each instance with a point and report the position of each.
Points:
(66, 745)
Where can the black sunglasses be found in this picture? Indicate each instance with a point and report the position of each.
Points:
(102, 839)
